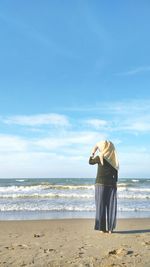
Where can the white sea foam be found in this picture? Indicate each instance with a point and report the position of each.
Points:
(133, 196)
(133, 209)
(69, 195)
(48, 195)
(45, 187)
(133, 189)
(64, 208)
(45, 208)
(38, 191)
(15, 188)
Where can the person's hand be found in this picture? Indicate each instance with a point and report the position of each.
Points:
(94, 150)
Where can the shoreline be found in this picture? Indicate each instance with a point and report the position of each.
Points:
(72, 219)
(74, 242)
(58, 215)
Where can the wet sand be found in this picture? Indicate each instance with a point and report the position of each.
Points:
(74, 242)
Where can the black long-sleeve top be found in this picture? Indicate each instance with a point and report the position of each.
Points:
(106, 173)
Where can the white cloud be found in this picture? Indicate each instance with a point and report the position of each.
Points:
(132, 116)
(38, 120)
(10, 143)
(134, 162)
(40, 153)
(45, 165)
(135, 124)
(97, 123)
(76, 140)
(54, 156)
(66, 141)
(139, 126)
(132, 107)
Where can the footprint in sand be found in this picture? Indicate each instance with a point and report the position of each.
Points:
(23, 246)
(23, 264)
(38, 235)
(46, 250)
(81, 251)
(146, 243)
(10, 248)
(120, 252)
(81, 247)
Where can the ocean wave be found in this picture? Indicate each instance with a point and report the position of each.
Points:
(122, 184)
(66, 208)
(133, 209)
(70, 187)
(136, 196)
(15, 188)
(45, 187)
(133, 189)
(68, 191)
(126, 195)
(37, 208)
(48, 195)
(139, 189)
(22, 185)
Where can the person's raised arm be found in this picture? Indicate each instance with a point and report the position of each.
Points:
(95, 160)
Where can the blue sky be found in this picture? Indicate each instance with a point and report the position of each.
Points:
(73, 73)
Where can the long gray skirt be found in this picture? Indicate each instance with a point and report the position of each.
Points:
(106, 207)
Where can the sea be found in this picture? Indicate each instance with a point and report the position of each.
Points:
(34, 199)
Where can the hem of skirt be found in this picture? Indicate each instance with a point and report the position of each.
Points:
(99, 229)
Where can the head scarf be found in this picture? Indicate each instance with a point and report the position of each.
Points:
(108, 152)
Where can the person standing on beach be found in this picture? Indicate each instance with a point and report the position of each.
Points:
(105, 185)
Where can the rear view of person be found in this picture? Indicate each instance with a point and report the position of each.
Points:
(105, 185)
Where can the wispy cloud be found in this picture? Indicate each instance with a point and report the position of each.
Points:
(134, 71)
(131, 116)
(38, 120)
(45, 157)
(136, 124)
(134, 163)
(72, 144)
(21, 163)
(136, 106)
(97, 123)
(65, 141)
(76, 140)
(11, 143)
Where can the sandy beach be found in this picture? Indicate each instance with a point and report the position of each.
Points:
(73, 242)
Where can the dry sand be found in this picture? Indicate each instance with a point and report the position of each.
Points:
(73, 242)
